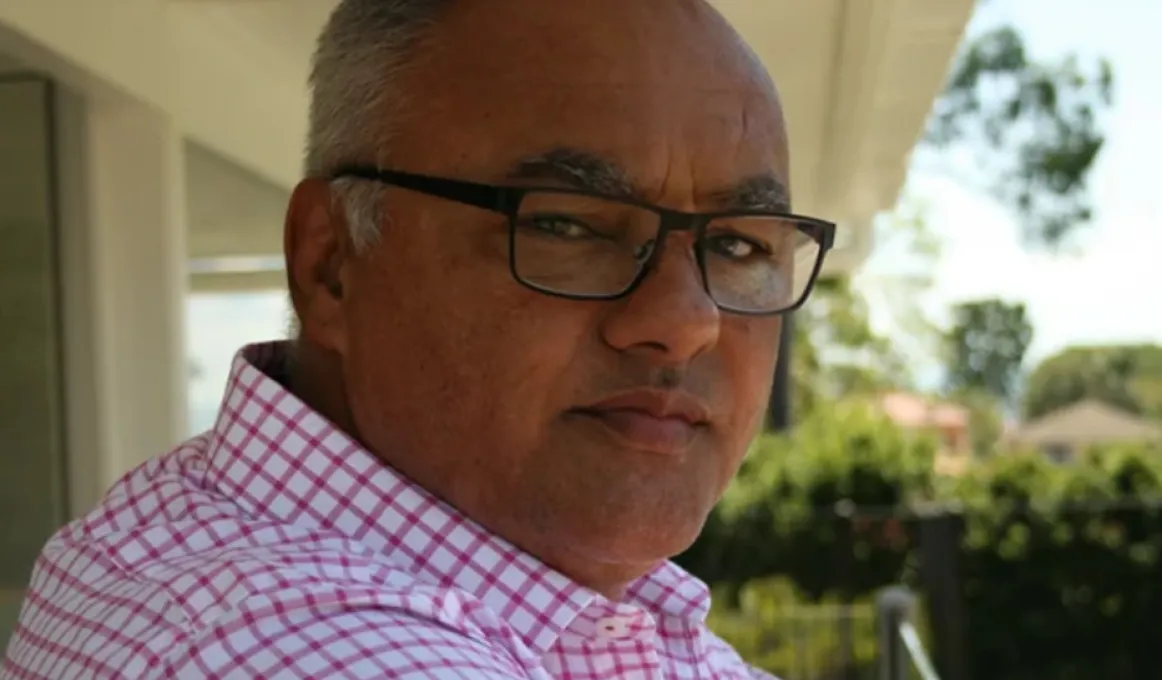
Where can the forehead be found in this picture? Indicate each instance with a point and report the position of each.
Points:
(663, 87)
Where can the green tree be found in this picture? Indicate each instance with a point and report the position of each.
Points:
(1036, 123)
(986, 347)
(1035, 126)
(986, 420)
(838, 353)
(847, 356)
(1126, 376)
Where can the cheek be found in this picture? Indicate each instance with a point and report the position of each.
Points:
(525, 364)
(750, 347)
(492, 357)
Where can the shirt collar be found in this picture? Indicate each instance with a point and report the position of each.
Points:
(275, 456)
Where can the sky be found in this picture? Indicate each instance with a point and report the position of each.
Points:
(1109, 290)
(1106, 291)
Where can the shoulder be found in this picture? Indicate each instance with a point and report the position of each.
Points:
(261, 615)
(166, 580)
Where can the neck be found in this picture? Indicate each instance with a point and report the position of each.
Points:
(316, 377)
(607, 578)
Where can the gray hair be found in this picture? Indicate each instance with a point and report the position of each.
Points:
(363, 48)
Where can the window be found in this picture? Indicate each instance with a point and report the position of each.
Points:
(1059, 453)
(218, 325)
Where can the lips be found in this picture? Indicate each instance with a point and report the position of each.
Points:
(652, 421)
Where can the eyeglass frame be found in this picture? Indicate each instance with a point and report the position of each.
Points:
(506, 200)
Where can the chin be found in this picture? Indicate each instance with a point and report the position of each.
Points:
(610, 505)
(635, 542)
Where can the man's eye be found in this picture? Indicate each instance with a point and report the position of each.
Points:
(563, 227)
(736, 247)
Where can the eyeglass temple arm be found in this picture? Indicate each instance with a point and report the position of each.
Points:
(485, 196)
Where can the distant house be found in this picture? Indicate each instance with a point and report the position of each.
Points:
(948, 422)
(1062, 434)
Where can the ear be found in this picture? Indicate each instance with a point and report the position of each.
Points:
(317, 247)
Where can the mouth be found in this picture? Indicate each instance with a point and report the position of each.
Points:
(651, 421)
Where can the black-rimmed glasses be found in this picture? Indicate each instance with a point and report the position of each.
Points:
(586, 246)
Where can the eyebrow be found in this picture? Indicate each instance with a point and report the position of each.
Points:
(577, 169)
(757, 192)
(591, 172)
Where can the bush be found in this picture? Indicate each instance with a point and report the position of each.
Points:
(1060, 565)
(786, 514)
(777, 629)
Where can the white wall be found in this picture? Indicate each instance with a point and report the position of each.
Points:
(124, 281)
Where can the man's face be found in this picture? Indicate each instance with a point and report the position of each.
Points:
(484, 390)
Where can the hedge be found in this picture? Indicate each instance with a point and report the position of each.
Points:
(1059, 566)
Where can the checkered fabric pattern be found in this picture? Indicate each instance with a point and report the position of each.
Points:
(274, 546)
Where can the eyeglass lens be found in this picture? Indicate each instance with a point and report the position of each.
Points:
(586, 246)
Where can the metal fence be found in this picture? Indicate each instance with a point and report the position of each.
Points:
(902, 655)
(878, 640)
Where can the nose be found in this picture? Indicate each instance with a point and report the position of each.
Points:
(670, 315)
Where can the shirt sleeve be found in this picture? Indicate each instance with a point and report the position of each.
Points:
(341, 642)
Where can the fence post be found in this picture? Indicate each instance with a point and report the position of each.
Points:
(941, 534)
(845, 514)
(893, 607)
(779, 411)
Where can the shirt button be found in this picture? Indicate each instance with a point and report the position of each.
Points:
(612, 627)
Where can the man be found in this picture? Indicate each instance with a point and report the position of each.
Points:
(538, 265)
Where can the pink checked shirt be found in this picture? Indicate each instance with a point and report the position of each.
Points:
(275, 547)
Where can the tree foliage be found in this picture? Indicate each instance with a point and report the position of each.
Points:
(1036, 121)
(1126, 376)
(986, 420)
(986, 347)
(837, 351)
(784, 513)
(775, 629)
(1054, 557)
(1064, 558)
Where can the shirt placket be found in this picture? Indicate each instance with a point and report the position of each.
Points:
(618, 641)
